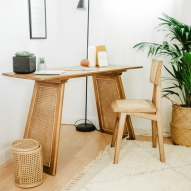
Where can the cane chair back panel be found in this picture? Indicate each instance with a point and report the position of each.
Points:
(155, 73)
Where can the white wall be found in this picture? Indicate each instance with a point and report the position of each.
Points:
(117, 24)
(65, 46)
(16, 94)
(131, 22)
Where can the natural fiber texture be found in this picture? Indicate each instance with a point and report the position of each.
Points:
(139, 169)
(154, 68)
(108, 91)
(25, 145)
(42, 122)
(181, 125)
(132, 104)
(28, 165)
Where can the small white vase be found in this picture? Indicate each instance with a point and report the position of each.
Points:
(42, 67)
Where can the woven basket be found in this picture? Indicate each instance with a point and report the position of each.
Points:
(28, 163)
(181, 125)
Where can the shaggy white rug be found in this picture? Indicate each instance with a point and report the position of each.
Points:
(139, 169)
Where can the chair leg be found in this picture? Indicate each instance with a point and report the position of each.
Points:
(115, 133)
(154, 131)
(130, 128)
(119, 137)
(160, 140)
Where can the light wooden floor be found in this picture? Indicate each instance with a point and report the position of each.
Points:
(76, 150)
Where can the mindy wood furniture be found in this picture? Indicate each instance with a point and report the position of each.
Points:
(44, 117)
(146, 109)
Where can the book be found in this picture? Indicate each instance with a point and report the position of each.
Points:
(49, 72)
(99, 49)
(102, 58)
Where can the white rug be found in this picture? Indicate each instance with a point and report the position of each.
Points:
(139, 169)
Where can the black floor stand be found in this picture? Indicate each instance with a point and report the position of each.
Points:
(85, 127)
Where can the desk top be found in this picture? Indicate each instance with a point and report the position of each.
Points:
(73, 74)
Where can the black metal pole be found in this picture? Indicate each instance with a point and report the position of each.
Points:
(87, 58)
(86, 101)
(88, 27)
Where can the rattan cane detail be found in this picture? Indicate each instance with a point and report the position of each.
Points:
(132, 104)
(23, 145)
(28, 165)
(42, 122)
(181, 125)
(108, 91)
(153, 73)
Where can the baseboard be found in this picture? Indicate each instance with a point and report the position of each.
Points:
(146, 132)
(5, 155)
(70, 120)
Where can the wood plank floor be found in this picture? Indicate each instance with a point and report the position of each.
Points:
(76, 150)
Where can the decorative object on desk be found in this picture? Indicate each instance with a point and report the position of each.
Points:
(102, 58)
(28, 163)
(92, 55)
(99, 49)
(180, 73)
(139, 173)
(37, 18)
(84, 63)
(24, 62)
(85, 127)
(41, 64)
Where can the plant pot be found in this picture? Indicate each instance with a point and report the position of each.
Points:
(24, 65)
(42, 67)
(181, 125)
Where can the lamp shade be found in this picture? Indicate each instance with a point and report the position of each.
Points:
(81, 5)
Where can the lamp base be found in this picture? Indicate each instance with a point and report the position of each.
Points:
(85, 127)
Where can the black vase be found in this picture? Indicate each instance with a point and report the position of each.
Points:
(24, 65)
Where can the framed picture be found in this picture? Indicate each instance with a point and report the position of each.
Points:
(37, 19)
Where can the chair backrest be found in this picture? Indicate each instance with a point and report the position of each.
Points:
(155, 73)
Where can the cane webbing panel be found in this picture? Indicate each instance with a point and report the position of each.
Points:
(133, 104)
(42, 121)
(28, 167)
(108, 91)
(154, 68)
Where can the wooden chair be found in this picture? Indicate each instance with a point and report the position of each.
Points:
(141, 108)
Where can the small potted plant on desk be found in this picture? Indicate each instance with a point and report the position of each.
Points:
(24, 62)
(179, 51)
(41, 64)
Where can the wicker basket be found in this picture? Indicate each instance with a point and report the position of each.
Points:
(181, 125)
(28, 163)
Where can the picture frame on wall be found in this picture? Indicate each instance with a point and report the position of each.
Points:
(37, 19)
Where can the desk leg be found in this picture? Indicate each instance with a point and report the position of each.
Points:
(107, 88)
(44, 121)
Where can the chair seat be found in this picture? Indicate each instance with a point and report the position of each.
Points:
(133, 106)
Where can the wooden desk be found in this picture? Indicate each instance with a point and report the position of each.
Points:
(45, 113)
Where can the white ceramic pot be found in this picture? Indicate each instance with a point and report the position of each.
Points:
(42, 67)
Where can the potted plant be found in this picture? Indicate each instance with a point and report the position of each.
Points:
(41, 64)
(179, 51)
(24, 62)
